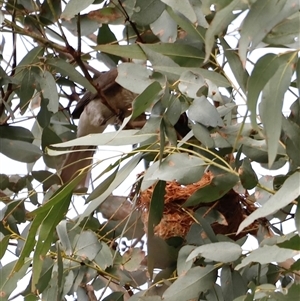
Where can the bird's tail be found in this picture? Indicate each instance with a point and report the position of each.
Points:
(77, 161)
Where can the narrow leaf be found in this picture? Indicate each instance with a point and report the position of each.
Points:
(219, 23)
(284, 196)
(190, 285)
(145, 100)
(272, 102)
(262, 17)
(267, 254)
(125, 137)
(65, 69)
(156, 206)
(230, 252)
(263, 70)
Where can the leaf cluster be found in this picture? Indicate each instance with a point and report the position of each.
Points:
(219, 82)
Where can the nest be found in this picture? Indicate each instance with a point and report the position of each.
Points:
(177, 220)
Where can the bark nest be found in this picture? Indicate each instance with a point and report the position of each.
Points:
(177, 220)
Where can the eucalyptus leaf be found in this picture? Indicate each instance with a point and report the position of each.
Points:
(181, 167)
(259, 22)
(204, 112)
(74, 7)
(86, 246)
(20, 150)
(147, 11)
(218, 251)
(184, 7)
(272, 102)
(267, 254)
(190, 285)
(165, 28)
(219, 186)
(284, 196)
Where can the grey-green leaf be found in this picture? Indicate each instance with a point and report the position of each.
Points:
(284, 196)
(218, 251)
(181, 167)
(189, 286)
(74, 7)
(204, 112)
(272, 101)
(20, 150)
(267, 254)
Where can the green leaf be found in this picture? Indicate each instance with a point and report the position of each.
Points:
(183, 265)
(45, 235)
(134, 77)
(292, 132)
(20, 150)
(27, 89)
(184, 7)
(46, 177)
(132, 258)
(3, 244)
(202, 111)
(230, 252)
(74, 7)
(247, 175)
(284, 196)
(190, 84)
(44, 115)
(284, 33)
(101, 188)
(146, 99)
(220, 22)
(202, 134)
(241, 75)
(65, 69)
(87, 246)
(195, 32)
(122, 174)
(62, 233)
(147, 11)
(165, 28)
(33, 56)
(10, 278)
(267, 254)
(263, 70)
(262, 17)
(215, 77)
(16, 133)
(218, 187)
(156, 206)
(48, 88)
(158, 58)
(232, 283)
(104, 258)
(292, 294)
(133, 51)
(272, 102)
(190, 285)
(124, 137)
(179, 53)
(183, 168)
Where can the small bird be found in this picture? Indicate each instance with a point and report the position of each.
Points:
(95, 111)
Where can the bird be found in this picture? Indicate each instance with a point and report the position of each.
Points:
(96, 111)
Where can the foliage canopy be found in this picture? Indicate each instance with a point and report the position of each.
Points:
(219, 81)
